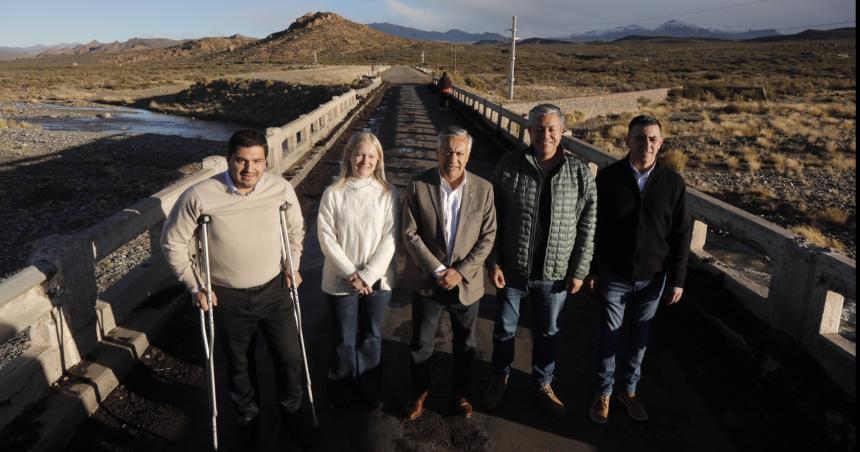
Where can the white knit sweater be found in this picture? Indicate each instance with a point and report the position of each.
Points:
(357, 228)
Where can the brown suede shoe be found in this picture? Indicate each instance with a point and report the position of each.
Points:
(462, 406)
(634, 406)
(416, 406)
(600, 409)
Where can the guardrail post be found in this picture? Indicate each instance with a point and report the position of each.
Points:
(276, 148)
(700, 235)
(791, 289)
(73, 292)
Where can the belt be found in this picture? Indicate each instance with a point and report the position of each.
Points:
(260, 287)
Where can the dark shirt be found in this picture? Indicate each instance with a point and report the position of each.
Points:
(641, 234)
(542, 224)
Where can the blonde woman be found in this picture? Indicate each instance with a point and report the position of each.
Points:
(357, 226)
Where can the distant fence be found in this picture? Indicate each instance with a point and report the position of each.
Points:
(808, 285)
(57, 297)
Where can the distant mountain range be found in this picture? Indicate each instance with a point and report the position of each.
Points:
(670, 29)
(452, 35)
(9, 53)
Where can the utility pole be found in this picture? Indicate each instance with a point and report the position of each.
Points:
(422, 58)
(315, 57)
(455, 56)
(513, 31)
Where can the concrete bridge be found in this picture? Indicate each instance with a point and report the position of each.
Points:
(736, 366)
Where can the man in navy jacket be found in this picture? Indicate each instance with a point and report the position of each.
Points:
(642, 244)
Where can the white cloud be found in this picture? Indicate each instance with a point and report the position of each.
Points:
(413, 16)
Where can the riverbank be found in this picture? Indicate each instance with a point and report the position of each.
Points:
(60, 182)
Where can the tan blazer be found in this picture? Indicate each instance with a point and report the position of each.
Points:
(424, 233)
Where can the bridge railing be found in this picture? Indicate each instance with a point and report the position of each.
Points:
(288, 143)
(57, 297)
(807, 288)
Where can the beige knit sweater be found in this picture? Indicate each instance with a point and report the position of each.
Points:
(357, 230)
(244, 235)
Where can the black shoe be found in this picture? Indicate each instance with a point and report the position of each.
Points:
(299, 429)
(371, 404)
(247, 415)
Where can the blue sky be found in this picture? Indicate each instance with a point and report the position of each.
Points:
(25, 23)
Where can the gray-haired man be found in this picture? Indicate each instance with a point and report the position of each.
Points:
(546, 203)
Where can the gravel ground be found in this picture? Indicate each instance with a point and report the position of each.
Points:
(59, 182)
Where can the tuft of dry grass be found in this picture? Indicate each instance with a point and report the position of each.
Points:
(787, 165)
(675, 159)
(732, 162)
(832, 215)
(817, 238)
(13, 124)
(761, 192)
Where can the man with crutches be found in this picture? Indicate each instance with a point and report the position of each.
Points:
(250, 278)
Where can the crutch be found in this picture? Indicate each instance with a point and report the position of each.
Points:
(297, 310)
(208, 317)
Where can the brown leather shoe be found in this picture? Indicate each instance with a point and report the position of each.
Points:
(416, 406)
(462, 406)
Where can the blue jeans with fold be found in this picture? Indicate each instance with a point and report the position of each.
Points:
(620, 297)
(546, 299)
(357, 354)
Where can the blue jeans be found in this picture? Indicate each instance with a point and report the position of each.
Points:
(617, 295)
(547, 299)
(357, 353)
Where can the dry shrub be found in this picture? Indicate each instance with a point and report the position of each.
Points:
(787, 165)
(674, 159)
(747, 128)
(732, 162)
(841, 163)
(832, 215)
(761, 192)
(817, 238)
(618, 132)
(13, 124)
(573, 117)
(847, 111)
(753, 164)
(831, 146)
(763, 141)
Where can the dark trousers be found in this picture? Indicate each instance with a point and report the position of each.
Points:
(357, 354)
(240, 312)
(426, 312)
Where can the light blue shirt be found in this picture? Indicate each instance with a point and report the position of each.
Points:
(234, 190)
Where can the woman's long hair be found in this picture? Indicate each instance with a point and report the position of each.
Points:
(348, 152)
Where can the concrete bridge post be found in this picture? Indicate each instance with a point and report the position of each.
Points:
(72, 327)
(276, 149)
(791, 287)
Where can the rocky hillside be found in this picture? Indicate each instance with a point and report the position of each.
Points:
(95, 47)
(323, 32)
(189, 48)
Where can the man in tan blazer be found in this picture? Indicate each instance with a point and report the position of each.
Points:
(449, 224)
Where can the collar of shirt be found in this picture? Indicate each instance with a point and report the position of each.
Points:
(451, 200)
(231, 187)
(641, 178)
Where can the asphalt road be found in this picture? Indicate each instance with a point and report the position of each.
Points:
(162, 405)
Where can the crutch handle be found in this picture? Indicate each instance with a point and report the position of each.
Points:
(285, 206)
(204, 219)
